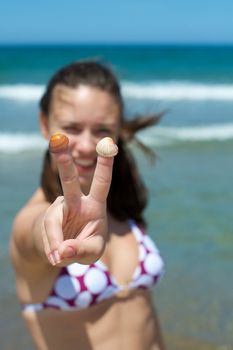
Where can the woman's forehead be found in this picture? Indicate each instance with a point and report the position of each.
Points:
(86, 100)
(63, 94)
(83, 95)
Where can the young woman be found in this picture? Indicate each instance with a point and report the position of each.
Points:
(83, 262)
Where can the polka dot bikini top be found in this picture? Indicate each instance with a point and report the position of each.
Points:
(80, 286)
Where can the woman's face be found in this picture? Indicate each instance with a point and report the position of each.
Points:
(85, 114)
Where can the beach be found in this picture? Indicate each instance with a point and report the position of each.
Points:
(189, 213)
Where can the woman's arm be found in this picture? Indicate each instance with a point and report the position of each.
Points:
(26, 240)
(158, 332)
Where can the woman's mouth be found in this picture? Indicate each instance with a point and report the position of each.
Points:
(85, 164)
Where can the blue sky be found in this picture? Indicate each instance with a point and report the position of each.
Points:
(116, 21)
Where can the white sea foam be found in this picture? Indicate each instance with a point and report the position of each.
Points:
(21, 92)
(169, 135)
(175, 91)
(20, 142)
(195, 133)
(169, 91)
(156, 136)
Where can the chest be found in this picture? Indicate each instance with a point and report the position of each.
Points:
(131, 261)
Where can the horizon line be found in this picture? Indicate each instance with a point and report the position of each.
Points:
(105, 43)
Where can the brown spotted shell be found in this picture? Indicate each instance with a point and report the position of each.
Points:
(106, 147)
(58, 142)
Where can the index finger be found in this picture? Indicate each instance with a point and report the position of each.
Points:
(68, 173)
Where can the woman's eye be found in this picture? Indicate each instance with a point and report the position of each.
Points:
(104, 131)
(71, 130)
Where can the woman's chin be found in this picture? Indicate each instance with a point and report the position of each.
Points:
(85, 177)
(85, 184)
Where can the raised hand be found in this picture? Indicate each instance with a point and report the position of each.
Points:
(75, 225)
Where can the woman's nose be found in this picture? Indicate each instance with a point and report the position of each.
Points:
(85, 143)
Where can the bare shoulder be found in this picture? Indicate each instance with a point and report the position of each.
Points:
(21, 243)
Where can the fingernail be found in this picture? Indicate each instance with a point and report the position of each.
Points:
(69, 252)
(56, 256)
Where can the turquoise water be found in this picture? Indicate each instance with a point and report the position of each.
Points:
(190, 208)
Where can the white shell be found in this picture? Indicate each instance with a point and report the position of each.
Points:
(106, 147)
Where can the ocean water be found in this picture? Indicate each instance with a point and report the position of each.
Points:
(190, 185)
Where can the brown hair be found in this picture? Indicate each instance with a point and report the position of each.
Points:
(127, 196)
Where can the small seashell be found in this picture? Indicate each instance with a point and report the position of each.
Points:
(106, 147)
(58, 142)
